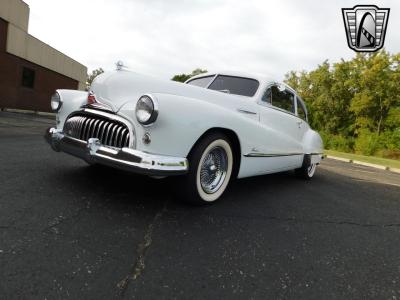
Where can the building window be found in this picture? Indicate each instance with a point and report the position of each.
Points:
(28, 78)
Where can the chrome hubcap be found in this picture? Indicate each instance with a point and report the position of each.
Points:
(213, 170)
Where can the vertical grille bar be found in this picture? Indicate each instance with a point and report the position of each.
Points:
(117, 134)
(83, 120)
(98, 129)
(95, 129)
(102, 128)
(120, 142)
(112, 133)
(80, 121)
(90, 126)
(126, 140)
(84, 128)
(73, 127)
(106, 133)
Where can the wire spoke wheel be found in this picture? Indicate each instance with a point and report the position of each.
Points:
(311, 170)
(308, 169)
(213, 170)
(211, 165)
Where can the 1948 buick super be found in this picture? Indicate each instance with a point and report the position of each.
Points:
(213, 128)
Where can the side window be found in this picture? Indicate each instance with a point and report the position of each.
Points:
(301, 110)
(282, 99)
(267, 97)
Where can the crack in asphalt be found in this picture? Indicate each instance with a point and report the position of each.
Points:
(139, 265)
(310, 221)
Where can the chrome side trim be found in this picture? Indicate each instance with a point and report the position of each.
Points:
(260, 154)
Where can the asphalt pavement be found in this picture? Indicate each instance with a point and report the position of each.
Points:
(73, 231)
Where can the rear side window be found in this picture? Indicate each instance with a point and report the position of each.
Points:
(282, 99)
(301, 110)
(235, 85)
(201, 82)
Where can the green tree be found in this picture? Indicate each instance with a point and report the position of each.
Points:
(377, 90)
(92, 76)
(355, 104)
(184, 77)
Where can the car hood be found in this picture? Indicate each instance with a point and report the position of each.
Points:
(120, 87)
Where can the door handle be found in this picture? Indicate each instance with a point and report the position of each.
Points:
(299, 123)
(245, 111)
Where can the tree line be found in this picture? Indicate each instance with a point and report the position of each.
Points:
(354, 104)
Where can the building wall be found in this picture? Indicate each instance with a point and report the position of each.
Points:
(15, 12)
(13, 94)
(26, 46)
(22, 44)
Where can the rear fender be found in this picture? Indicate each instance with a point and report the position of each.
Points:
(313, 148)
(312, 143)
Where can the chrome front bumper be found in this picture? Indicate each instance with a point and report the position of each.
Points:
(122, 158)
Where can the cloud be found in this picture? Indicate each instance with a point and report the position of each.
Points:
(164, 38)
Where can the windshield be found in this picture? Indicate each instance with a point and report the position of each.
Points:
(202, 81)
(228, 84)
(235, 85)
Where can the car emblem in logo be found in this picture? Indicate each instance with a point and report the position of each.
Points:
(365, 27)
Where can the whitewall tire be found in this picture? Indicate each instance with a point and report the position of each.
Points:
(211, 163)
(306, 172)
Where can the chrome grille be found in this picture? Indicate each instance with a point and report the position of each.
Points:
(109, 132)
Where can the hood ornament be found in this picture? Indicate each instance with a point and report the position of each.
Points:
(120, 65)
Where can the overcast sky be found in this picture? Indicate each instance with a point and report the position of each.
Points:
(169, 37)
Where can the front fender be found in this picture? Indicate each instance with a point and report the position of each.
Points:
(181, 122)
(71, 101)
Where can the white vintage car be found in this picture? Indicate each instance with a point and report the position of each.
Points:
(210, 129)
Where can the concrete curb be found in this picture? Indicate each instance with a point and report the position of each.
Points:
(29, 112)
(357, 162)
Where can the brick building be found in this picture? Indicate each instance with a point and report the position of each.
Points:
(31, 70)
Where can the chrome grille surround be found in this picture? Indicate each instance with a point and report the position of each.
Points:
(111, 130)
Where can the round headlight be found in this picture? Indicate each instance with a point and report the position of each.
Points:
(146, 110)
(56, 102)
